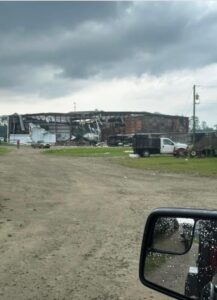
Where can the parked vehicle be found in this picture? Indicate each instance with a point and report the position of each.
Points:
(205, 146)
(40, 145)
(185, 234)
(181, 271)
(145, 144)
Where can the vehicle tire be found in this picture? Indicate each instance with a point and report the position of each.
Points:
(136, 152)
(146, 153)
(181, 152)
(175, 154)
(193, 153)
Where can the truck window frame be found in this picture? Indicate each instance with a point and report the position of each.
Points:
(169, 142)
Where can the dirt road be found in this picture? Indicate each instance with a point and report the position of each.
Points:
(71, 228)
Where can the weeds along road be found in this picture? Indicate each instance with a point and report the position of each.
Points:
(71, 228)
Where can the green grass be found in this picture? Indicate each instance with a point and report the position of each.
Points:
(91, 151)
(5, 144)
(195, 166)
(3, 150)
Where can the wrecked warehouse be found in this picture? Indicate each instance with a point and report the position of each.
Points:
(91, 126)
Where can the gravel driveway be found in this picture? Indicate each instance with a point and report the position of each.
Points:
(71, 228)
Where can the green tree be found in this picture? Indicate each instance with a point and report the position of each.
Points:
(204, 125)
(197, 123)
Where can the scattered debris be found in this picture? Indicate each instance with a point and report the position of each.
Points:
(132, 155)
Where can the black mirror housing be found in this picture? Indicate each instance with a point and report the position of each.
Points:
(196, 216)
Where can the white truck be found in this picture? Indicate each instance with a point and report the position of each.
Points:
(145, 144)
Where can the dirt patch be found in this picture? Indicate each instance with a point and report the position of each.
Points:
(71, 228)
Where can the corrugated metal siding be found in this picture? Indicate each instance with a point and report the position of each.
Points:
(133, 125)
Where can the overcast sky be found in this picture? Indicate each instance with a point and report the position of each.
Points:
(140, 56)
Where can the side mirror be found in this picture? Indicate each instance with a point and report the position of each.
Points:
(179, 253)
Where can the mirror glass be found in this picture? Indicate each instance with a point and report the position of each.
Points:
(193, 273)
(173, 234)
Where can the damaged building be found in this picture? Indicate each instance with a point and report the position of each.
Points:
(4, 128)
(92, 126)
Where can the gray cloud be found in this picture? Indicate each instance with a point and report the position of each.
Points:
(31, 17)
(79, 40)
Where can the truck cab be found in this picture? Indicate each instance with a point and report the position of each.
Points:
(167, 146)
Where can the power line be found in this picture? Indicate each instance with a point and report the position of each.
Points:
(207, 86)
(205, 103)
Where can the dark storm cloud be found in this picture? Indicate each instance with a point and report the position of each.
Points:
(42, 16)
(103, 39)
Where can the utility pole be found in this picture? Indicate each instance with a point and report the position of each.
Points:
(195, 98)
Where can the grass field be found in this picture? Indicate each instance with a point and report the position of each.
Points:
(91, 151)
(196, 166)
(3, 150)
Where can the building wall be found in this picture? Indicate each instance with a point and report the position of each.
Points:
(40, 134)
(147, 123)
(3, 132)
(72, 125)
(156, 124)
(3, 127)
(23, 138)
